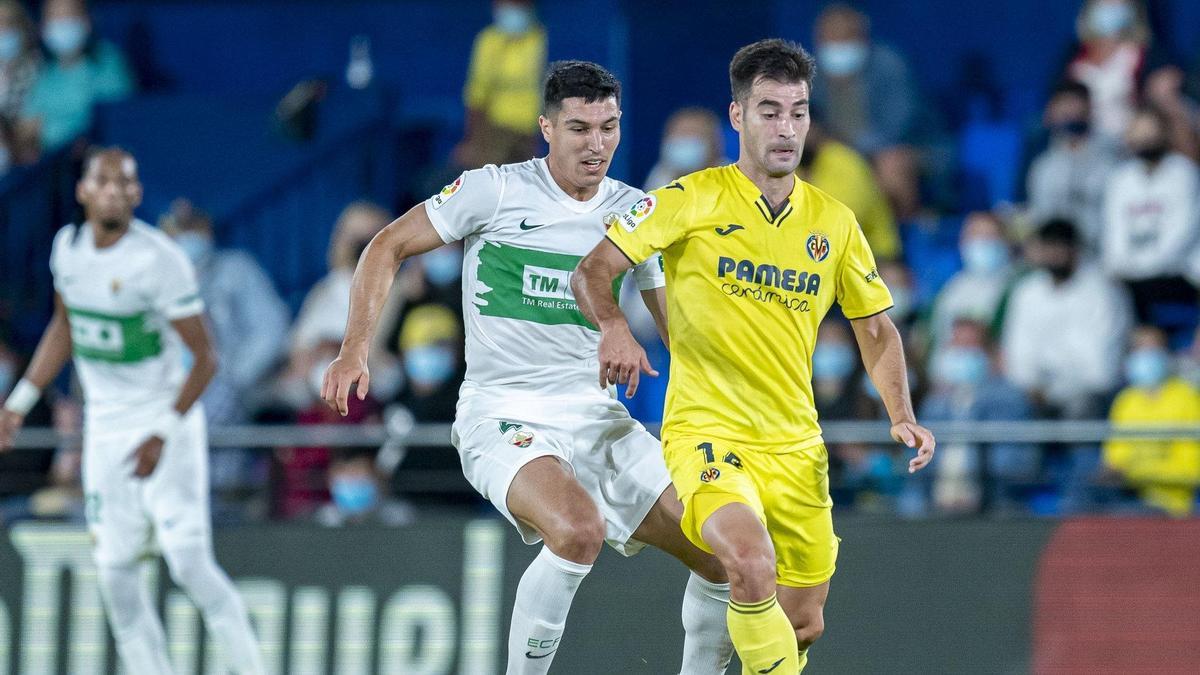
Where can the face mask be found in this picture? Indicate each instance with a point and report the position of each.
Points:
(10, 44)
(1147, 367)
(832, 361)
(65, 37)
(196, 246)
(354, 496)
(428, 366)
(840, 59)
(513, 19)
(984, 256)
(443, 265)
(961, 366)
(686, 153)
(1108, 19)
(1060, 272)
(1151, 153)
(1072, 129)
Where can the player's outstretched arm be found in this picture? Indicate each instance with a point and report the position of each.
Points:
(51, 355)
(409, 235)
(883, 356)
(622, 359)
(656, 302)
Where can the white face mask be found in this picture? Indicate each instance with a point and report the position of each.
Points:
(513, 19)
(66, 36)
(841, 59)
(686, 153)
(10, 44)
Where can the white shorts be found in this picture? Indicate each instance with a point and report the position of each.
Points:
(613, 457)
(126, 515)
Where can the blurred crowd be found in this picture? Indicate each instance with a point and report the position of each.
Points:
(1077, 302)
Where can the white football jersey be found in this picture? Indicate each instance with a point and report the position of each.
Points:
(120, 302)
(523, 237)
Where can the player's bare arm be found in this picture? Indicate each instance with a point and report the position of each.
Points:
(409, 235)
(656, 302)
(622, 359)
(883, 356)
(53, 352)
(195, 336)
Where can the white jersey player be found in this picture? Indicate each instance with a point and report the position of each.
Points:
(538, 436)
(126, 305)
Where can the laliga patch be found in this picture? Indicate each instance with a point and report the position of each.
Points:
(817, 246)
(638, 212)
(710, 474)
(522, 439)
(447, 192)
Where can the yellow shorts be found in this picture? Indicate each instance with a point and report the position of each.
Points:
(787, 489)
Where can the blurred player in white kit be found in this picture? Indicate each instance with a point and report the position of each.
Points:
(126, 305)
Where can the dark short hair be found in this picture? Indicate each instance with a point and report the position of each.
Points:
(779, 60)
(577, 79)
(1059, 231)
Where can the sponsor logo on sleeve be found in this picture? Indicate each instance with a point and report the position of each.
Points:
(637, 213)
(447, 192)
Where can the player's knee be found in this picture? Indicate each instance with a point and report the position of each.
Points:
(750, 568)
(577, 538)
(809, 629)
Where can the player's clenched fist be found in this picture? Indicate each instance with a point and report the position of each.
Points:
(10, 424)
(343, 373)
(622, 359)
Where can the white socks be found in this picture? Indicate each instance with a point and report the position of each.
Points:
(706, 644)
(540, 612)
(135, 625)
(196, 572)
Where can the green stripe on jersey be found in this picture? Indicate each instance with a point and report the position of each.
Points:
(530, 285)
(113, 338)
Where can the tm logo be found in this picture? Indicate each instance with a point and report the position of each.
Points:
(545, 282)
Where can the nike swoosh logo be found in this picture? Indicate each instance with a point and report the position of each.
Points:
(676, 186)
(774, 666)
(530, 227)
(529, 655)
(729, 230)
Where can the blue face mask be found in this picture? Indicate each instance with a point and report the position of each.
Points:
(832, 361)
(428, 366)
(513, 19)
(443, 266)
(354, 495)
(10, 44)
(1147, 368)
(961, 366)
(66, 36)
(686, 153)
(984, 256)
(196, 246)
(841, 59)
(1107, 19)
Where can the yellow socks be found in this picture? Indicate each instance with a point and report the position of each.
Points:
(764, 638)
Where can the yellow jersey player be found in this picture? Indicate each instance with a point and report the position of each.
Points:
(754, 258)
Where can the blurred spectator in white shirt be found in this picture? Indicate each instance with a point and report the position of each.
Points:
(1151, 217)
(977, 291)
(1065, 328)
(1068, 179)
(691, 142)
(1114, 38)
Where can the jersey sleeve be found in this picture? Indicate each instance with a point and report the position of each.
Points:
(174, 291)
(57, 249)
(466, 205)
(652, 224)
(860, 290)
(649, 273)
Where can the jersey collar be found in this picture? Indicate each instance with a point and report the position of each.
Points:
(567, 201)
(751, 193)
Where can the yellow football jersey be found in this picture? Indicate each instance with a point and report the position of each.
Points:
(746, 289)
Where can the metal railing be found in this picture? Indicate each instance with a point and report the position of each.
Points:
(339, 435)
